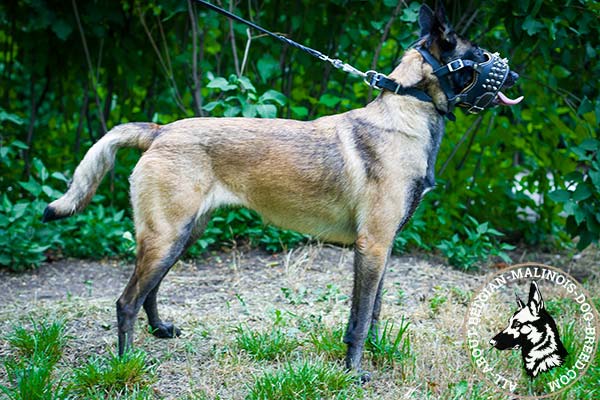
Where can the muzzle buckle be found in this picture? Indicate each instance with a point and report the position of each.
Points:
(456, 65)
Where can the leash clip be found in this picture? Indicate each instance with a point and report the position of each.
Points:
(372, 78)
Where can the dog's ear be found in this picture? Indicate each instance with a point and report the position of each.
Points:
(536, 303)
(519, 301)
(426, 20)
(436, 28)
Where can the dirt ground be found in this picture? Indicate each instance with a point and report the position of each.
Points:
(209, 297)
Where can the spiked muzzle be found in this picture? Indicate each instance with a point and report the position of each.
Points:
(484, 89)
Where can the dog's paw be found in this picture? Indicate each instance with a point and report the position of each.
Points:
(165, 330)
(363, 376)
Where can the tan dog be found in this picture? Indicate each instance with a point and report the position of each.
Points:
(355, 177)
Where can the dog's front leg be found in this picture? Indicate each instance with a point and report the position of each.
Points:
(370, 255)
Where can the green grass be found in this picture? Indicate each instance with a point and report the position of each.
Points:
(329, 343)
(36, 352)
(32, 370)
(307, 380)
(31, 379)
(129, 375)
(389, 347)
(268, 345)
(437, 301)
(44, 339)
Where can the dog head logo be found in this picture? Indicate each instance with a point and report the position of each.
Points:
(532, 330)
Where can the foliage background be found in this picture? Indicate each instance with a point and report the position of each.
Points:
(70, 70)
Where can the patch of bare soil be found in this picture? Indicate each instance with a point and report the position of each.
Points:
(208, 298)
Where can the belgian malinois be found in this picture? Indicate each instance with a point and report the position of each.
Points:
(352, 178)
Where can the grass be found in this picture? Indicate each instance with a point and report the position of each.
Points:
(33, 374)
(328, 342)
(437, 301)
(306, 379)
(129, 375)
(268, 345)
(31, 379)
(250, 341)
(390, 347)
(45, 339)
(36, 352)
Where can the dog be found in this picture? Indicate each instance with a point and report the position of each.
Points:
(533, 330)
(352, 178)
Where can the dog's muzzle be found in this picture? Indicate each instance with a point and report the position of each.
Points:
(484, 89)
(488, 79)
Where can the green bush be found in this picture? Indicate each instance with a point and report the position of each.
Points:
(581, 199)
(24, 239)
(475, 244)
(98, 232)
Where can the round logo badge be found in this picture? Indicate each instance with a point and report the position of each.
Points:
(531, 331)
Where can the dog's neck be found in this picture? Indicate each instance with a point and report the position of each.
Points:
(414, 117)
(414, 71)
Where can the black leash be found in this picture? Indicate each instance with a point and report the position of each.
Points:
(372, 78)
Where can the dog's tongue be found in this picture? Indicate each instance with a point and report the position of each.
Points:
(506, 101)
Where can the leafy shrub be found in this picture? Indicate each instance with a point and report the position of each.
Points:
(98, 232)
(581, 199)
(23, 237)
(477, 243)
(242, 98)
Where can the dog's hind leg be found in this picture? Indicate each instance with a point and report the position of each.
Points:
(165, 203)
(159, 328)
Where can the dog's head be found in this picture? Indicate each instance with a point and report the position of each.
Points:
(527, 324)
(475, 77)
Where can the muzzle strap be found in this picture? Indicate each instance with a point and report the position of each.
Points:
(443, 70)
(455, 65)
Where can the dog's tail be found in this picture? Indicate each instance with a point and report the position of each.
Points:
(97, 161)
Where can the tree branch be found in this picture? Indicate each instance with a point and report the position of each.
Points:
(195, 81)
(166, 69)
(232, 39)
(474, 126)
(90, 67)
(386, 32)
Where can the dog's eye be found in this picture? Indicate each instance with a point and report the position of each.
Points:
(516, 325)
